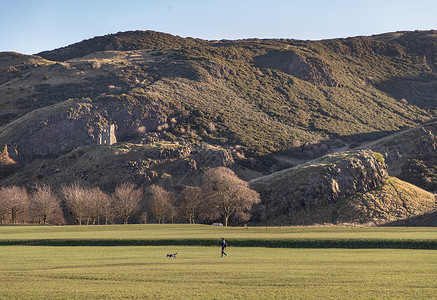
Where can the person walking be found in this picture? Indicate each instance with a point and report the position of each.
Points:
(223, 244)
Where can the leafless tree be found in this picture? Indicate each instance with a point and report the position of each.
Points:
(227, 195)
(45, 206)
(100, 206)
(190, 199)
(160, 202)
(127, 200)
(14, 201)
(174, 211)
(75, 198)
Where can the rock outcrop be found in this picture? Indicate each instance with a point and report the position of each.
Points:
(396, 202)
(317, 183)
(7, 164)
(162, 162)
(58, 129)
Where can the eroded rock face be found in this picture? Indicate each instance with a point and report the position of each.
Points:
(318, 183)
(64, 127)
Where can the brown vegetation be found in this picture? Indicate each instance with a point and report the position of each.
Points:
(127, 199)
(222, 194)
(101, 206)
(76, 201)
(227, 196)
(190, 200)
(13, 204)
(160, 203)
(41, 206)
(46, 206)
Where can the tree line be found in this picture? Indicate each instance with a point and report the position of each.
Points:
(221, 196)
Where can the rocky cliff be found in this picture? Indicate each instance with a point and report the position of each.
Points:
(318, 183)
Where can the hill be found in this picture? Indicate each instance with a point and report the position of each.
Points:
(122, 41)
(395, 202)
(264, 95)
(411, 154)
(261, 105)
(318, 183)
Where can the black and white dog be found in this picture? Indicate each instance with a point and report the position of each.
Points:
(172, 255)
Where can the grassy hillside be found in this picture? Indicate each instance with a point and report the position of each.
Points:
(265, 95)
(265, 104)
(395, 200)
(122, 41)
(421, 171)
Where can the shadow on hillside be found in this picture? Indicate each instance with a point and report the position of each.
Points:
(335, 144)
(425, 220)
(419, 91)
(299, 154)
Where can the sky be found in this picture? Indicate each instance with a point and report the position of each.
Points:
(32, 26)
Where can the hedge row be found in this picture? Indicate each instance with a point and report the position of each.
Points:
(291, 243)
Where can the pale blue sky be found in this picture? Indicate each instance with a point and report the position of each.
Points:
(31, 26)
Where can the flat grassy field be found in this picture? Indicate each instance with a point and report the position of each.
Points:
(205, 235)
(198, 272)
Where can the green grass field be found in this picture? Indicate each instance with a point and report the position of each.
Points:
(204, 235)
(117, 272)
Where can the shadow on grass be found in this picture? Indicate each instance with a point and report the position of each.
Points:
(300, 243)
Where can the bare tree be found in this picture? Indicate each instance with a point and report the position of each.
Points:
(227, 195)
(160, 203)
(14, 202)
(100, 206)
(45, 205)
(75, 198)
(127, 199)
(174, 211)
(190, 199)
